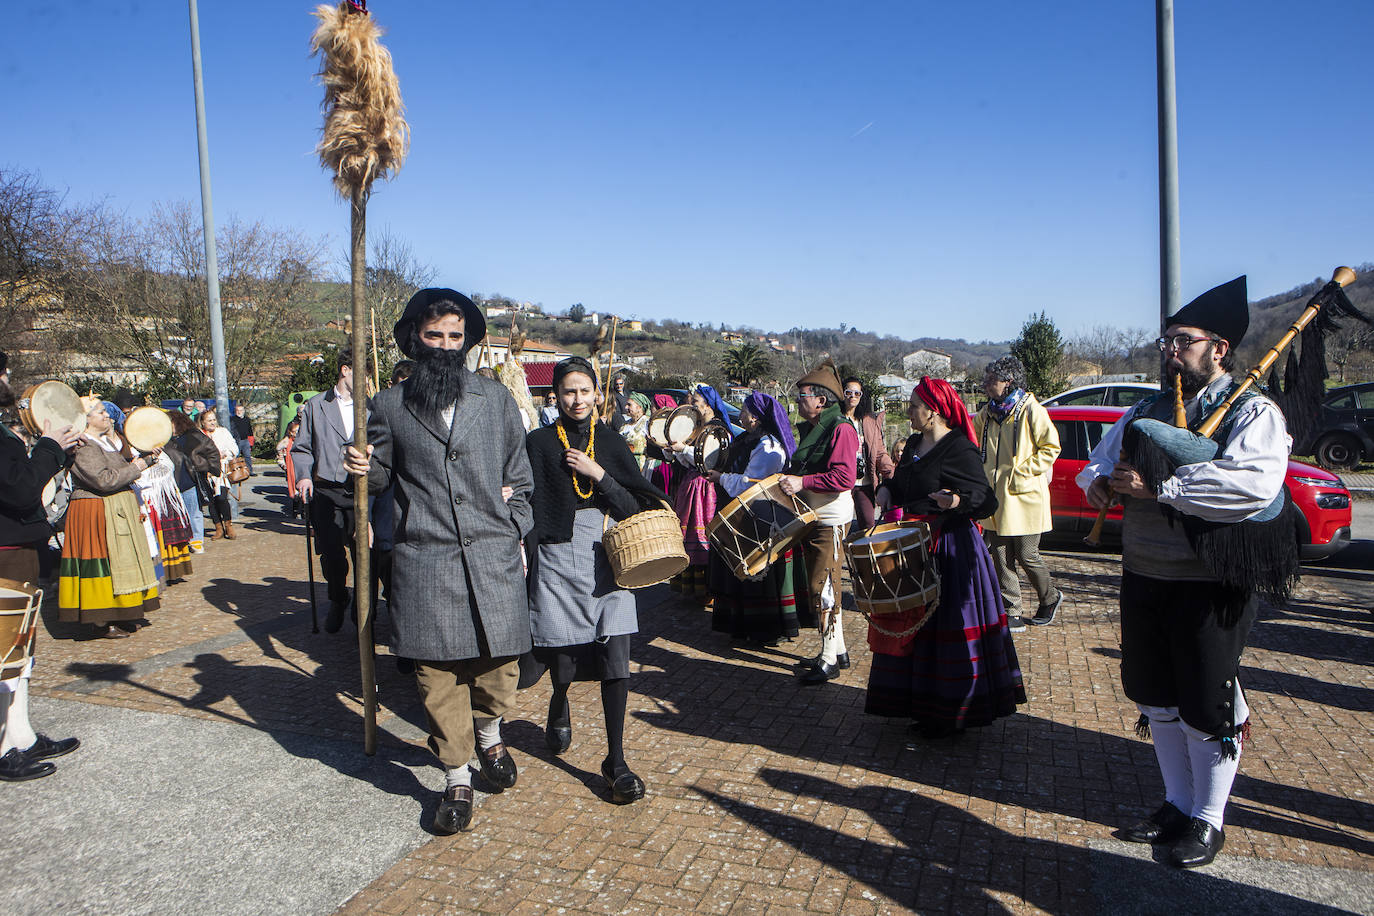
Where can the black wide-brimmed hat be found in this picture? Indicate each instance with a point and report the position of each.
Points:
(474, 322)
(1224, 310)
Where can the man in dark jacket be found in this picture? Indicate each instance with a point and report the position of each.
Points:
(242, 428)
(452, 444)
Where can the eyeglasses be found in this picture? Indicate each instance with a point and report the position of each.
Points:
(853, 392)
(808, 394)
(1180, 342)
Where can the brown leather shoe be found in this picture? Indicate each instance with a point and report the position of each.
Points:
(455, 811)
(229, 530)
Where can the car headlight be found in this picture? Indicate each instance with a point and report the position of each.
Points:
(1333, 501)
(1315, 481)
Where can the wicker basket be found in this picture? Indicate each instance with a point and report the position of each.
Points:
(646, 548)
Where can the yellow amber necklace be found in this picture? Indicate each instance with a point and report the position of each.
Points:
(591, 453)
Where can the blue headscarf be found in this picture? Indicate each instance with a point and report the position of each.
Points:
(773, 419)
(115, 414)
(713, 398)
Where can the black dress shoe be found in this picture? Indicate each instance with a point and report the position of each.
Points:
(1164, 826)
(625, 788)
(16, 766)
(558, 738)
(498, 767)
(805, 665)
(842, 660)
(820, 674)
(455, 811)
(1198, 846)
(334, 620)
(45, 747)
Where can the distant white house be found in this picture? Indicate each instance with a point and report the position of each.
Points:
(935, 363)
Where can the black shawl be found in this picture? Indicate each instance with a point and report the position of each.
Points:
(620, 494)
(953, 464)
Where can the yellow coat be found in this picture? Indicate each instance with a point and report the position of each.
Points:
(1018, 458)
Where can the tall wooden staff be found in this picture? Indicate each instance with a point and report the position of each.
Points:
(609, 407)
(365, 138)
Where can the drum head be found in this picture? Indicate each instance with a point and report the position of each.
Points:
(710, 448)
(682, 423)
(658, 426)
(49, 492)
(879, 537)
(148, 428)
(54, 402)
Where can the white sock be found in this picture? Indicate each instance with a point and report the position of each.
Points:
(1213, 773)
(458, 776)
(488, 731)
(17, 730)
(1171, 750)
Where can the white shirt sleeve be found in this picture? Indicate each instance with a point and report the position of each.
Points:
(765, 460)
(1244, 478)
(1104, 457)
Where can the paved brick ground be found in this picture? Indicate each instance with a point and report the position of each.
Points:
(765, 796)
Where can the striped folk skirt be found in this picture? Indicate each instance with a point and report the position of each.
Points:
(962, 670)
(695, 505)
(772, 608)
(85, 593)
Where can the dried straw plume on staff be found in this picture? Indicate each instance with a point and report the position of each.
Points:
(366, 136)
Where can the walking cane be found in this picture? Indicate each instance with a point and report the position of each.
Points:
(310, 565)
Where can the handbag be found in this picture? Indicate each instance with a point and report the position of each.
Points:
(237, 470)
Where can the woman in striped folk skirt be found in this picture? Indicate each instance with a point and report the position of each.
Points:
(777, 605)
(106, 576)
(157, 486)
(959, 670)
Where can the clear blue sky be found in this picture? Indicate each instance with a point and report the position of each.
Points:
(915, 168)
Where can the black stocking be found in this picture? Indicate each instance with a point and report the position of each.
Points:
(559, 713)
(614, 698)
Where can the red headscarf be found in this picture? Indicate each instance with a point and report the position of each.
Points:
(664, 400)
(941, 397)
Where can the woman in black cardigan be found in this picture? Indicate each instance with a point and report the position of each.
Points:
(580, 621)
(960, 668)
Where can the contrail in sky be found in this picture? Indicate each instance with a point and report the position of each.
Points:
(862, 129)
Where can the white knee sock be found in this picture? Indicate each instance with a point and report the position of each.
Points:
(458, 776)
(488, 731)
(1171, 750)
(17, 730)
(1213, 774)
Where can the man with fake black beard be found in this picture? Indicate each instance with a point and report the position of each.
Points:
(1203, 528)
(452, 445)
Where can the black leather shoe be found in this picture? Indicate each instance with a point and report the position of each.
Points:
(1198, 846)
(1045, 615)
(805, 665)
(45, 747)
(334, 620)
(625, 788)
(558, 738)
(498, 767)
(820, 674)
(455, 811)
(842, 660)
(16, 766)
(1164, 826)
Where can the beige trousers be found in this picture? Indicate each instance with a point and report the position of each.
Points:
(451, 691)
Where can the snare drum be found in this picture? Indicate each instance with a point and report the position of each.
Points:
(893, 568)
(54, 402)
(19, 606)
(658, 426)
(148, 428)
(710, 446)
(682, 424)
(754, 529)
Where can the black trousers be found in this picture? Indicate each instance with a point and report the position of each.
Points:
(1175, 650)
(332, 518)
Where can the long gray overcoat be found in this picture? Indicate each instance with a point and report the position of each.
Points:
(456, 560)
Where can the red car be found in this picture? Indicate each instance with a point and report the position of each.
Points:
(1322, 499)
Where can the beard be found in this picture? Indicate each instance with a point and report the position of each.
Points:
(1193, 380)
(438, 380)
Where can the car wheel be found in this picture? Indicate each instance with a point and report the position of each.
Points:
(1338, 452)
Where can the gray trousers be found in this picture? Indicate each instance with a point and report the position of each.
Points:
(1009, 551)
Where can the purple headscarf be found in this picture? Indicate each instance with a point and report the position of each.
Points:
(712, 397)
(773, 419)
